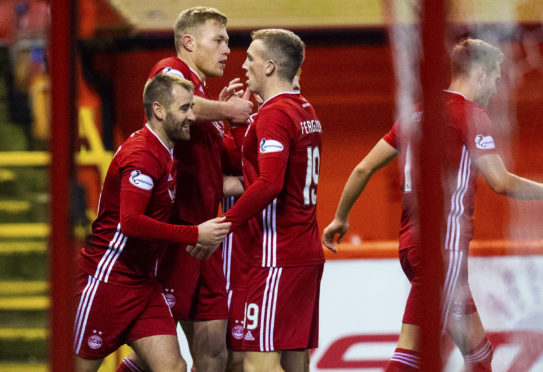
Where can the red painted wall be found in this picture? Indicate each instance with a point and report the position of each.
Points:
(352, 89)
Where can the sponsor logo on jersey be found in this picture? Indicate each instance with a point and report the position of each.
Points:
(141, 180)
(269, 145)
(237, 332)
(172, 71)
(484, 142)
(249, 336)
(95, 340)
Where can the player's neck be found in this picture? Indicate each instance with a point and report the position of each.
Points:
(158, 130)
(187, 58)
(275, 87)
(463, 87)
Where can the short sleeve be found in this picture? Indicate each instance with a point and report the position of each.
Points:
(391, 137)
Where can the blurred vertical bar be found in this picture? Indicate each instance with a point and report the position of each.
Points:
(430, 193)
(61, 253)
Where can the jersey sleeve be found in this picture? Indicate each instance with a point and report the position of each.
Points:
(274, 131)
(140, 171)
(136, 224)
(261, 192)
(478, 134)
(391, 137)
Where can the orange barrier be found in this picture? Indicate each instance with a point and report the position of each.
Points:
(478, 248)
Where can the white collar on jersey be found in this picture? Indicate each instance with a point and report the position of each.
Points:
(278, 94)
(455, 92)
(158, 138)
(195, 73)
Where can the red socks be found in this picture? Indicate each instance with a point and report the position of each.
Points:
(480, 358)
(129, 366)
(404, 360)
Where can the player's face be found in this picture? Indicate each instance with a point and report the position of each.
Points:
(180, 115)
(489, 85)
(255, 67)
(211, 49)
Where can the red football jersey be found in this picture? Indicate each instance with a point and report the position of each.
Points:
(468, 134)
(200, 181)
(281, 162)
(144, 168)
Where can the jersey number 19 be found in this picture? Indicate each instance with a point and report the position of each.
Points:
(312, 175)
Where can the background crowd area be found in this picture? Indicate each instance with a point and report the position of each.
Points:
(349, 75)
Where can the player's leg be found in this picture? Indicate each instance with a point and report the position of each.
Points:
(87, 365)
(160, 353)
(294, 361)
(235, 361)
(207, 343)
(460, 317)
(406, 357)
(256, 361)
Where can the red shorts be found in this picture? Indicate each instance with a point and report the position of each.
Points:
(456, 296)
(236, 313)
(109, 316)
(195, 289)
(282, 308)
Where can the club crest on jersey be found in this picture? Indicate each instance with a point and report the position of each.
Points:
(484, 142)
(237, 332)
(269, 145)
(170, 298)
(141, 180)
(172, 71)
(95, 340)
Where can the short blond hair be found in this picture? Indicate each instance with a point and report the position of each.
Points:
(468, 53)
(159, 89)
(284, 47)
(190, 19)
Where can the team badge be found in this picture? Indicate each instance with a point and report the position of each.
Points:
(170, 298)
(95, 340)
(141, 180)
(237, 332)
(269, 145)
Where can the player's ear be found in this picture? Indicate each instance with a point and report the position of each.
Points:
(159, 111)
(270, 67)
(189, 42)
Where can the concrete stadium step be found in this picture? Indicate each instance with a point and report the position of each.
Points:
(23, 345)
(22, 259)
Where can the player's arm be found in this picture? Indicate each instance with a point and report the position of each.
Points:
(503, 182)
(381, 154)
(232, 185)
(257, 196)
(235, 109)
(136, 224)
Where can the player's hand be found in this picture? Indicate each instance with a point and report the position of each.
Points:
(329, 234)
(201, 252)
(231, 89)
(239, 108)
(213, 232)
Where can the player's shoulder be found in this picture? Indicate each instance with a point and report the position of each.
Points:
(171, 65)
(142, 146)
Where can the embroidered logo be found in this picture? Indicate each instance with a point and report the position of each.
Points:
(269, 145)
(249, 336)
(484, 142)
(237, 332)
(141, 180)
(95, 340)
(170, 298)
